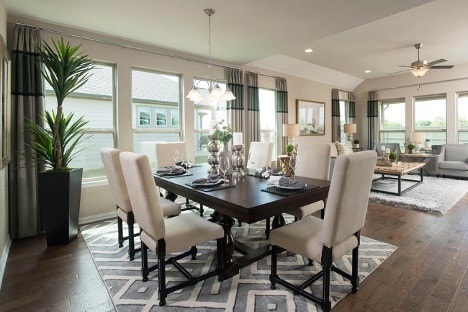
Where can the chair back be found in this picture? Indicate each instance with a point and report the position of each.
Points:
(348, 197)
(164, 152)
(143, 193)
(313, 160)
(111, 161)
(260, 154)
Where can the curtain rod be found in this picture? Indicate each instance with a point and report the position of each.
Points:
(423, 84)
(113, 43)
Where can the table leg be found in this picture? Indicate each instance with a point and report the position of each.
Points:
(278, 221)
(421, 173)
(399, 185)
(215, 216)
(227, 222)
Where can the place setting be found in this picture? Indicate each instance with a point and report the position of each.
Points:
(214, 181)
(179, 169)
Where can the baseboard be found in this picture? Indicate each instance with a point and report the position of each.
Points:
(98, 217)
(3, 260)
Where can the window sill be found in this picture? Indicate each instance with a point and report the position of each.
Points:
(94, 183)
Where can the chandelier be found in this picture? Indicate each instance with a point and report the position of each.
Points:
(215, 93)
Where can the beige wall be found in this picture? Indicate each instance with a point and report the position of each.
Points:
(4, 236)
(448, 82)
(96, 199)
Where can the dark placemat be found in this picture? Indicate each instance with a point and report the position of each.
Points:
(211, 188)
(287, 192)
(171, 176)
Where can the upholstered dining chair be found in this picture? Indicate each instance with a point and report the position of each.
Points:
(314, 162)
(165, 236)
(260, 154)
(110, 158)
(164, 152)
(327, 240)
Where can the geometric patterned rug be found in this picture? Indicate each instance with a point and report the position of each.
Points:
(248, 291)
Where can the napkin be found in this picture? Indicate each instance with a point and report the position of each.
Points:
(171, 170)
(284, 181)
(212, 178)
(185, 164)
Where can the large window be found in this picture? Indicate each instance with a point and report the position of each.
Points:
(206, 113)
(344, 119)
(392, 122)
(156, 110)
(268, 129)
(463, 118)
(430, 118)
(95, 102)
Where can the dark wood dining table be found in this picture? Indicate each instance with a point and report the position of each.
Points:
(246, 202)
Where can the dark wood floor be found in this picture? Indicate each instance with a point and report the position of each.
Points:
(428, 272)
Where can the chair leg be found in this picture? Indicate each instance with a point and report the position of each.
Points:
(131, 236)
(219, 258)
(326, 304)
(267, 228)
(274, 261)
(355, 270)
(202, 211)
(144, 262)
(120, 231)
(161, 252)
(193, 251)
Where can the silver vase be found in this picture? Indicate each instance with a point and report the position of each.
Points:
(213, 148)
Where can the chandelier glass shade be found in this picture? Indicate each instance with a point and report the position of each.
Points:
(215, 93)
(419, 71)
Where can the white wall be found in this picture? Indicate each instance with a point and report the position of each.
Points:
(97, 199)
(449, 82)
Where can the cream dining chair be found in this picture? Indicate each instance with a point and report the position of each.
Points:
(327, 240)
(166, 236)
(164, 152)
(260, 154)
(110, 158)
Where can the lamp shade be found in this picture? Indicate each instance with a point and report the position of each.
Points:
(290, 130)
(417, 137)
(350, 128)
(419, 72)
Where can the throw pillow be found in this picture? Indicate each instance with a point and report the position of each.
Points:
(342, 149)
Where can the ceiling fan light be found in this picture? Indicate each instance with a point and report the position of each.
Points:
(419, 72)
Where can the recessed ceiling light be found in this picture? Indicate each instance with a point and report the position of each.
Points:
(367, 71)
(308, 50)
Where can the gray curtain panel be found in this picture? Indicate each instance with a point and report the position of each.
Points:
(27, 105)
(351, 108)
(336, 132)
(281, 112)
(253, 110)
(372, 115)
(235, 108)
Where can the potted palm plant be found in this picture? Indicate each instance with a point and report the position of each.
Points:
(65, 69)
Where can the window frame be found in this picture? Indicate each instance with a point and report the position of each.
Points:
(277, 139)
(383, 131)
(462, 130)
(440, 96)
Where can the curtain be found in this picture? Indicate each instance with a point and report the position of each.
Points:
(372, 115)
(253, 110)
(351, 108)
(27, 106)
(336, 132)
(281, 112)
(235, 108)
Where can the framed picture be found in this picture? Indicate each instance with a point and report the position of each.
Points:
(5, 123)
(310, 115)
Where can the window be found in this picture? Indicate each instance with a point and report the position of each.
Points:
(344, 119)
(392, 122)
(463, 118)
(430, 118)
(95, 102)
(206, 113)
(267, 105)
(156, 110)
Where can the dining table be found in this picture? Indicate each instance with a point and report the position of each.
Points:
(248, 199)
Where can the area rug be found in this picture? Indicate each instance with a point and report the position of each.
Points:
(248, 291)
(434, 195)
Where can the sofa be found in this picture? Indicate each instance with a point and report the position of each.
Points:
(453, 160)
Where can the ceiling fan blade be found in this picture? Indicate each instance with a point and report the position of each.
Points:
(404, 66)
(442, 67)
(400, 71)
(437, 62)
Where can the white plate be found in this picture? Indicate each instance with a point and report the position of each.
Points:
(290, 187)
(207, 184)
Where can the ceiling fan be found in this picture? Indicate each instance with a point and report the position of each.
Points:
(420, 67)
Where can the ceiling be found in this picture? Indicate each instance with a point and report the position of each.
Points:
(348, 37)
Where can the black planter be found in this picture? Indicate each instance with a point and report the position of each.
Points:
(59, 200)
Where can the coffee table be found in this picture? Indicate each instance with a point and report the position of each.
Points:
(396, 172)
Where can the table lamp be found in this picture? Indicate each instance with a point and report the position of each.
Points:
(417, 138)
(350, 129)
(290, 130)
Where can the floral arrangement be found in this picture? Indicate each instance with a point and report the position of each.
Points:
(222, 132)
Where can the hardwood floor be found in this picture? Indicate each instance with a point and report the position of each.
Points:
(428, 271)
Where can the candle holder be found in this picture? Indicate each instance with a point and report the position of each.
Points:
(237, 162)
(213, 148)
